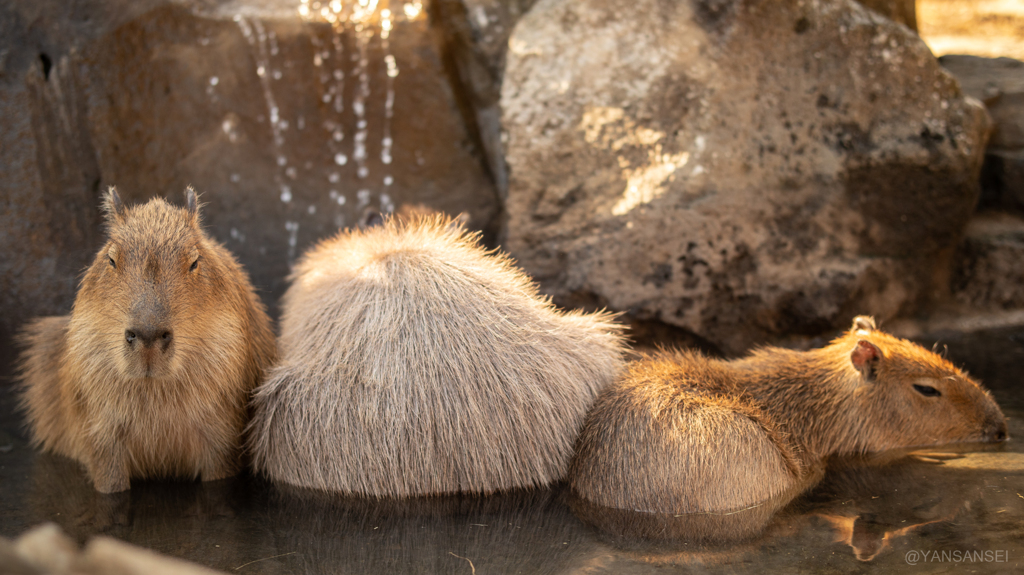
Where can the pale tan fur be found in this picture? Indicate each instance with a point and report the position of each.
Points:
(683, 433)
(414, 362)
(126, 410)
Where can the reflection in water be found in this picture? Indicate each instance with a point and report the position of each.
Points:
(864, 509)
(869, 502)
(733, 526)
(517, 532)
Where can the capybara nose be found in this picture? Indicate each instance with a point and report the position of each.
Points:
(159, 336)
(996, 432)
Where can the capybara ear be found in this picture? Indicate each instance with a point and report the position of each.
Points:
(113, 206)
(371, 218)
(192, 203)
(864, 323)
(865, 357)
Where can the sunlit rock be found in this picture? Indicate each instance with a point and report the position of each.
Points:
(737, 169)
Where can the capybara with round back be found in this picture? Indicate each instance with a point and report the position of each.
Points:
(682, 433)
(151, 373)
(414, 362)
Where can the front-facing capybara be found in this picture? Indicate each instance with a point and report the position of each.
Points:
(151, 373)
(414, 362)
(684, 434)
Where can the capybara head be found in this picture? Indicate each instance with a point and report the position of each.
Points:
(911, 397)
(149, 286)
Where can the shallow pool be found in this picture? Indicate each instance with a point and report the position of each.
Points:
(941, 511)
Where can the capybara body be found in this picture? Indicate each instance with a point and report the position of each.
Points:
(682, 433)
(151, 373)
(414, 362)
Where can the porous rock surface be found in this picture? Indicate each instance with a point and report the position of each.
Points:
(739, 169)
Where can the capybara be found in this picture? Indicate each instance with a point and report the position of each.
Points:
(414, 362)
(151, 373)
(684, 434)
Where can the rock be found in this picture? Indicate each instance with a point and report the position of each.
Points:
(476, 33)
(289, 126)
(901, 11)
(1002, 180)
(999, 83)
(46, 549)
(736, 169)
(989, 272)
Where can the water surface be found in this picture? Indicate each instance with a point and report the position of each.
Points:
(941, 511)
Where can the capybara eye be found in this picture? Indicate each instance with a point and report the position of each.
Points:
(112, 263)
(927, 390)
(195, 265)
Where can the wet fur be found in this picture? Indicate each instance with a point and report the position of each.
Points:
(414, 362)
(683, 433)
(81, 389)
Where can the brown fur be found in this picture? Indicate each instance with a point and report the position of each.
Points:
(150, 374)
(682, 433)
(414, 362)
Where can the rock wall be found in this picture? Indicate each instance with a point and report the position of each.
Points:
(739, 169)
(290, 125)
(723, 171)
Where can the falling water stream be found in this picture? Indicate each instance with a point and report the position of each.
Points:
(358, 29)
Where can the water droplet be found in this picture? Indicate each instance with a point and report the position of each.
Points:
(317, 61)
(300, 122)
(364, 197)
(361, 124)
(338, 135)
(277, 74)
(339, 75)
(291, 172)
(260, 71)
(386, 142)
(281, 160)
(326, 98)
(311, 209)
(388, 180)
(235, 178)
(340, 159)
(385, 203)
(333, 177)
(341, 200)
(214, 80)
(286, 194)
(363, 171)
(283, 124)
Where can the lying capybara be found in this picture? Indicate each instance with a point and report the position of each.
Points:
(681, 433)
(414, 362)
(151, 373)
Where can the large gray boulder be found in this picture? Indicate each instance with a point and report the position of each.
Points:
(739, 169)
(289, 126)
